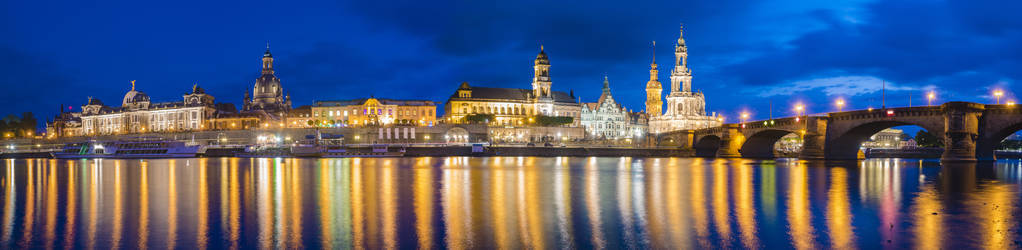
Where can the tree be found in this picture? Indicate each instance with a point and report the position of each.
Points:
(926, 140)
(27, 125)
(479, 118)
(542, 120)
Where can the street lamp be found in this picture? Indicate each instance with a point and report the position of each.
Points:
(998, 93)
(744, 116)
(929, 98)
(840, 104)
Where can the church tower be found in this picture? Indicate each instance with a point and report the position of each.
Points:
(681, 76)
(541, 79)
(654, 90)
(268, 94)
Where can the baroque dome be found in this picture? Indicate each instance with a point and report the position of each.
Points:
(134, 96)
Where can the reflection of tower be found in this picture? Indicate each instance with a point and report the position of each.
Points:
(541, 80)
(654, 90)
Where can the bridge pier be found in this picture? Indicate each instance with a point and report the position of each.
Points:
(730, 142)
(961, 128)
(813, 140)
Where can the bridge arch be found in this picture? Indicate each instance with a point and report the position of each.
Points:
(844, 144)
(706, 146)
(986, 145)
(760, 144)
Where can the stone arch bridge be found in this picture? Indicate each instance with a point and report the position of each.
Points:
(970, 132)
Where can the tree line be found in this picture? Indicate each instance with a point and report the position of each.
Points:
(12, 126)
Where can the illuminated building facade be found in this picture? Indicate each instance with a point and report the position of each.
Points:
(606, 119)
(513, 107)
(374, 112)
(888, 138)
(137, 114)
(685, 109)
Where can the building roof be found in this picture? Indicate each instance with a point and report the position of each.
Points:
(512, 94)
(339, 103)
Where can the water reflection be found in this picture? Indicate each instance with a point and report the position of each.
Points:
(507, 202)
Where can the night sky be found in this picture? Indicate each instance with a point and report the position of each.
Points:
(743, 54)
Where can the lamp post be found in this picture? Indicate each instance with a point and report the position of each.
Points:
(997, 94)
(929, 98)
(744, 116)
(840, 104)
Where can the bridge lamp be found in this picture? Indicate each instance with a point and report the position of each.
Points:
(929, 98)
(1010, 103)
(998, 93)
(840, 104)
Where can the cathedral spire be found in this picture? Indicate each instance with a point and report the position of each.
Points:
(267, 60)
(654, 91)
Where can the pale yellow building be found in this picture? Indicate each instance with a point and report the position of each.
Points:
(514, 107)
(374, 112)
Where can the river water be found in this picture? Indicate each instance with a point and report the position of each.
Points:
(508, 202)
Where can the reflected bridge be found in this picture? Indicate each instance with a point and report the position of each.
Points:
(970, 131)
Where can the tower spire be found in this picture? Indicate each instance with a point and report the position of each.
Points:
(132, 85)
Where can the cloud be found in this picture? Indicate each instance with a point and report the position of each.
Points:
(848, 86)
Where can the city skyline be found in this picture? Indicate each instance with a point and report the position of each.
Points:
(428, 59)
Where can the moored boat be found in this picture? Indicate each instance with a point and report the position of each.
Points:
(134, 148)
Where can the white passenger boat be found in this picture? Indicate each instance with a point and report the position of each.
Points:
(129, 149)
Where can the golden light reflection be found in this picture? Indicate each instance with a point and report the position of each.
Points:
(624, 201)
(500, 207)
(93, 184)
(263, 199)
(994, 210)
(799, 218)
(745, 209)
(562, 203)
(51, 204)
(456, 211)
(423, 196)
(357, 206)
(143, 209)
(530, 188)
(235, 206)
(171, 204)
(721, 210)
(389, 207)
(294, 205)
(72, 205)
(673, 174)
(928, 214)
(592, 194)
(327, 217)
(29, 219)
(118, 223)
(839, 216)
(698, 203)
(202, 228)
(10, 197)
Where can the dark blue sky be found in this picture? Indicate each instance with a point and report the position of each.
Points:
(744, 54)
